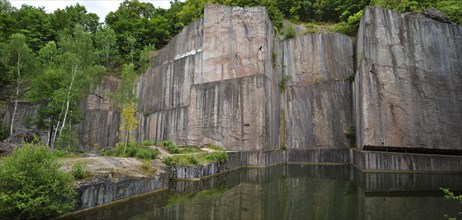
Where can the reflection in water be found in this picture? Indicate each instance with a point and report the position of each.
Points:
(296, 192)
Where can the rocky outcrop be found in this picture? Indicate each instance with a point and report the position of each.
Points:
(408, 87)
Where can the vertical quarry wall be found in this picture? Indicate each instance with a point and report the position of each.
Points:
(409, 82)
(214, 83)
(101, 122)
(227, 80)
(317, 98)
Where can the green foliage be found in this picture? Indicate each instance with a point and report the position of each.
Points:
(79, 171)
(68, 140)
(132, 150)
(450, 195)
(174, 149)
(32, 186)
(452, 8)
(219, 156)
(283, 147)
(351, 26)
(195, 159)
(138, 24)
(289, 31)
(105, 41)
(148, 143)
(351, 136)
(170, 147)
(69, 70)
(65, 20)
(4, 133)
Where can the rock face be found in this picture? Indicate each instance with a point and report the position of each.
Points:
(317, 100)
(214, 83)
(409, 82)
(100, 125)
(218, 82)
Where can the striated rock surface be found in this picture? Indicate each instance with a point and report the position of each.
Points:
(317, 97)
(100, 124)
(214, 84)
(409, 82)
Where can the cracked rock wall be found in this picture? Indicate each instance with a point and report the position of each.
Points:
(409, 82)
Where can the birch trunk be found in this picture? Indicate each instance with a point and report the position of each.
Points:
(17, 94)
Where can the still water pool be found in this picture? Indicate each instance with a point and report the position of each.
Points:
(296, 192)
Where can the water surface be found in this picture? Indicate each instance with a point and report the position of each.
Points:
(296, 192)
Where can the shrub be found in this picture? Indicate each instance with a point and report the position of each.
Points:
(168, 161)
(79, 171)
(170, 147)
(146, 153)
(132, 150)
(351, 136)
(290, 32)
(219, 156)
(32, 186)
(4, 133)
(67, 140)
(351, 26)
(148, 143)
(450, 195)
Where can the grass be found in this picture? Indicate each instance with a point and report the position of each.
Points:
(174, 149)
(215, 147)
(192, 160)
(132, 150)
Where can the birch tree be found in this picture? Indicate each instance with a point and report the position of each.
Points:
(69, 71)
(19, 60)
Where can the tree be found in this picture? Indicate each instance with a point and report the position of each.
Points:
(140, 22)
(69, 71)
(124, 100)
(19, 60)
(105, 39)
(35, 24)
(64, 20)
(32, 186)
(129, 122)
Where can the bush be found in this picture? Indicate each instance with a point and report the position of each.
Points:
(132, 150)
(351, 27)
(79, 172)
(290, 32)
(4, 133)
(170, 147)
(219, 156)
(32, 186)
(147, 143)
(191, 160)
(146, 153)
(351, 136)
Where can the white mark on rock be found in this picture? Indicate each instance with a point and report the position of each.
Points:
(192, 52)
